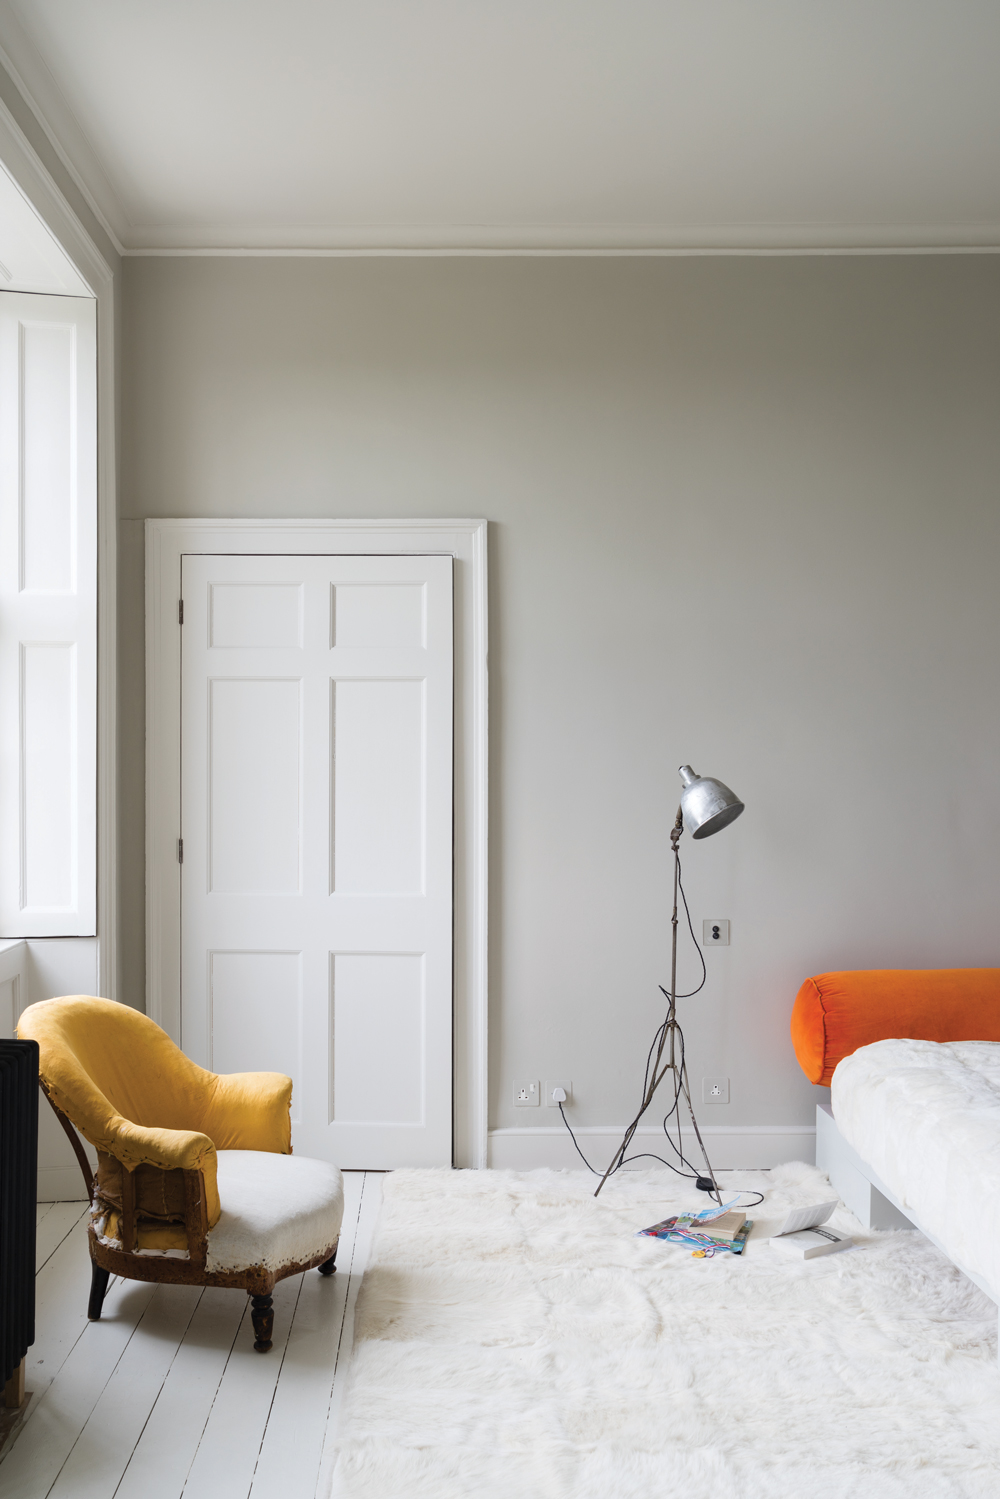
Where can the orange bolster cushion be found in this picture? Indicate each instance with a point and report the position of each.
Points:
(835, 1013)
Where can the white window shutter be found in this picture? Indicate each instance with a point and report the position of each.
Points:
(48, 616)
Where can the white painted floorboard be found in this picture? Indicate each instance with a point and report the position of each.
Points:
(161, 1461)
(105, 1445)
(52, 1430)
(371, 1201)
(62, 1287)
(164, 1398)
(296, 1429)
(59, 1219)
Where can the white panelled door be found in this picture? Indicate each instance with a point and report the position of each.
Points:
(316, 811)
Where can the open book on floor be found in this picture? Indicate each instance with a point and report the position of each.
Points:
(803, 1236)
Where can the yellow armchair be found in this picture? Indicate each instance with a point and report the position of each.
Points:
(188, 1187)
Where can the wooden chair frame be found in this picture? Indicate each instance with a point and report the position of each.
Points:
(257, 1281)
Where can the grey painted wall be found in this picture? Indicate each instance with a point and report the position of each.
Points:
(744, 513)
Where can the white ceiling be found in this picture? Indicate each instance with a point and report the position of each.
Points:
(523, 124)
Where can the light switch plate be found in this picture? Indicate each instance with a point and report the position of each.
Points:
(715, 932)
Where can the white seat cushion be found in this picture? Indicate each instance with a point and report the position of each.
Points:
(277, 1210)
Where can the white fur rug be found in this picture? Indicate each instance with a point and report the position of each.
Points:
(513, 1340)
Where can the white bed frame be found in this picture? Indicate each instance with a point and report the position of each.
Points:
(869, 1198)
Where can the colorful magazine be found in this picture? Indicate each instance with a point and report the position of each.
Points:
(691, 1229)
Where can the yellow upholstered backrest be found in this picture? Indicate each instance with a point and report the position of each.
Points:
(105, 1056)
(131, 1092)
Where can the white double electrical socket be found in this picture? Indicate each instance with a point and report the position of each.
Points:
(526, 1095)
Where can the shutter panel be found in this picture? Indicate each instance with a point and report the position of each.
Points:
(48, 616)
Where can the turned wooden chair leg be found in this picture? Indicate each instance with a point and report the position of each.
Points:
(262, 1315)
(328, 1266)
(98, 1288)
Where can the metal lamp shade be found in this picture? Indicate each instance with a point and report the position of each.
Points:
(707, 805)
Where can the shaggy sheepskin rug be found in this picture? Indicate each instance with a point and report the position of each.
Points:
(514, 1340)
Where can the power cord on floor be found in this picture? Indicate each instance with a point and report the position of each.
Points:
(704, 1183)
(646, 1155)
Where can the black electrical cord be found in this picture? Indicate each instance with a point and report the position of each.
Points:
(576, 1142)
(692, 1173)
(652, 1156)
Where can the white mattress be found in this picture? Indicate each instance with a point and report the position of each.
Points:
(925, 1115)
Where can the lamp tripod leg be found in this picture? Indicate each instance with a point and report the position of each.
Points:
(656, 1078)
(616, 1162)
(701, 1144)
(679, 1070)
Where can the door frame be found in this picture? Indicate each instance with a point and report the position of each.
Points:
(465, 540)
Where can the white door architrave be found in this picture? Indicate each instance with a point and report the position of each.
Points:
(167, 541)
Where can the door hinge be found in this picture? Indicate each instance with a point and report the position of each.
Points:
(180, 611)
(180, 850)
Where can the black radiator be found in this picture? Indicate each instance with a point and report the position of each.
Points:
(18, 1195)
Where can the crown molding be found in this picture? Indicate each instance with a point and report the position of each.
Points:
(43, 96)
(384, 252)
(569, 240)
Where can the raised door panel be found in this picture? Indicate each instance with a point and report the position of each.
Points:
(48, 498)
(378, 1038)
(48, 776)
(379, 811)
(255, 1013)
(255, 616)
(254, 805)
(379, 616)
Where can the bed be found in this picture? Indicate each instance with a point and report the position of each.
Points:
(911, 1135)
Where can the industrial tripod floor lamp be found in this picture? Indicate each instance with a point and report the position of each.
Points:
(707, 806)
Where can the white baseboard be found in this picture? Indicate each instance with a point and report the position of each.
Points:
(60, 1184)
(729, 1147)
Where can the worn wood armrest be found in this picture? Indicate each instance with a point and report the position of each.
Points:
(195, 1216)
(195, 1208)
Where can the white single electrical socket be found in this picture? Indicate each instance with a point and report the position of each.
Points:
(558, 1082)
(525, 1095)
(715, 932)
(715, 1090)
